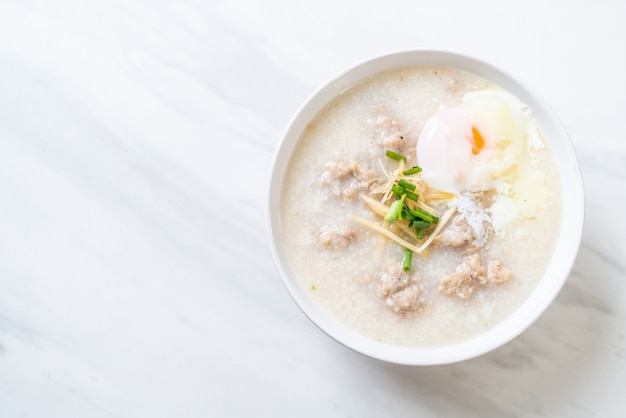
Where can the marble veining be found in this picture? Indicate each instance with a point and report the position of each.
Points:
(136, 139)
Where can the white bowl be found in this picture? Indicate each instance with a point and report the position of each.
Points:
(566, 246)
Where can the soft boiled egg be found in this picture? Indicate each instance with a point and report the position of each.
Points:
(470, 147)
(485, 143)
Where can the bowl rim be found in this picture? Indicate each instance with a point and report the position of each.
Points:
(566, 247)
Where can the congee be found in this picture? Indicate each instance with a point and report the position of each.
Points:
(421, 206)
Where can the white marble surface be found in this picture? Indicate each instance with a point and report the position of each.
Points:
(135, 146)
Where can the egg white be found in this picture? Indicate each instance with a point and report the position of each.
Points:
(483, 144)
(447, 150)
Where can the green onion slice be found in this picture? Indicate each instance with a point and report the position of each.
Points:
(398, 189)
(423, 215)
(407, 185)
(413, 170)
(394, 155)
(401, 206)
(406, 263)
(420, 224)
(411, 195)
(392, 212)
(406, 214)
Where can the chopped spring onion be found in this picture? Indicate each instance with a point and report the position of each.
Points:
(401, 207)
(422, 214)
(392, 213)
(420, 224)
(413, 170)
(398, 191)
(407, 185)
(411, 195)
(394, 155)
(406, 214)
(420, 233)
(408, 256)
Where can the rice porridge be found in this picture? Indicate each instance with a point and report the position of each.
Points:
(421, 206)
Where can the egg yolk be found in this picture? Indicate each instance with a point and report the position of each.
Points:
(478, 142)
